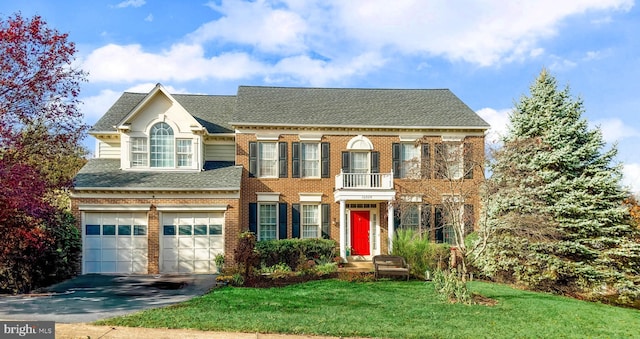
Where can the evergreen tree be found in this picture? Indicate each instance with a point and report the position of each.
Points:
(555, 214)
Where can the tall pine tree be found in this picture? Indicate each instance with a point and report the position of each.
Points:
(555, 214)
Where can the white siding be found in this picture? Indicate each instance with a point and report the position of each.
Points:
(109, 150)
(220, 152)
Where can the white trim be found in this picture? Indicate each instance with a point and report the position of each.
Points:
(113, 207)
(310, 137)
(360, 143)
(268, 196)
(267, 137)
(411, 198)
(192, 208)
(310, 197)
(410, 138)
(453, 137)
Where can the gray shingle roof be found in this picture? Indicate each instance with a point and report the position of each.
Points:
(353, 107)
(212, 111)
(106, 174)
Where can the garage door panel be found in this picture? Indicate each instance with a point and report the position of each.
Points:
(108, 267)
(124, 242)
(124, 266)
(186, 254)
(109, 254)
(124, 255)
(185, 242)
(92, 243)
(201, 254)
(139, 242)
(109, 242)
(201, 266)
(139, 266)
(201, 242)
(185, 266)
(93, 255)
(216, 242)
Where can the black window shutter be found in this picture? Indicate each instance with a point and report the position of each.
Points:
(397, 219)
(426, 161)
(425, 220)
(295, 160)
(282, 161)
(375, 162)
(253, 218)
(295, 220)
(253, 159)
(468, 219)
(326, 221)
(282, 220)
(441, 165)
(395, 159)
(468, 160)
(324, 160)
(439, 221)
(346, 162)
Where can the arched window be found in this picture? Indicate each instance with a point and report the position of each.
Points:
(162, 145)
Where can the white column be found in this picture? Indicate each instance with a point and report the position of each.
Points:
(390, 212)
(343, 228)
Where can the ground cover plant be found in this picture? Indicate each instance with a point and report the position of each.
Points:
(390, 309)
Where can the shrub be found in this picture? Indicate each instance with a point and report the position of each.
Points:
(451, 288)
(245, 254)
(295, 253)
(420, 253)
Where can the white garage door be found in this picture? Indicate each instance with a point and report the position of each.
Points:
(115, 243)
(190, 242)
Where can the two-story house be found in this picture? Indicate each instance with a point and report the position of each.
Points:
(177, 177)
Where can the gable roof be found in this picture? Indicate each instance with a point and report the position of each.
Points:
(105, 174)
(412, 108)
(213, 112)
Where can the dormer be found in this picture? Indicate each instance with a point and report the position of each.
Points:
(159, 134)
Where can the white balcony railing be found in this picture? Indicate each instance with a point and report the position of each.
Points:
(364, 180)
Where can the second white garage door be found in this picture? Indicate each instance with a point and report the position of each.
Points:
(190, 242)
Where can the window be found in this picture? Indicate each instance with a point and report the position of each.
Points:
(416, 217)
(267, 222)
(453, 159)
(310, 221)
(310, 160)
(139, 153)
(162, 148)
(268, 159)
(410, 157)
(183, 152)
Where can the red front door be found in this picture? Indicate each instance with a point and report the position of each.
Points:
(360, 233)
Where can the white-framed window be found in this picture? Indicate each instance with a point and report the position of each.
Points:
(267, 221)
(184, 153)
(139, 152)
(268, 159)
(310, 160)
(161, 143)
(310, 221)
(410, 161)
(453, 156)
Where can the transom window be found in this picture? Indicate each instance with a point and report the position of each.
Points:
(310, 221)
(268, 159)
(162, 148)
(267, 222)
(310, 160)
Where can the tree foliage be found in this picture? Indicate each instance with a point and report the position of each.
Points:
(40, 132)
(556, 221)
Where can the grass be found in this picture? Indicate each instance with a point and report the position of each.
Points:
(390, 309)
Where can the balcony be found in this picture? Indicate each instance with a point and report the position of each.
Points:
(382, 181)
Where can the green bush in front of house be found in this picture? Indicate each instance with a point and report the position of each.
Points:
(420, 253)
(293, 252)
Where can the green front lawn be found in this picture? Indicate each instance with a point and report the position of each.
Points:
(390, 309)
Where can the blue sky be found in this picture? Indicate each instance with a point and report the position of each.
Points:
(487, 52)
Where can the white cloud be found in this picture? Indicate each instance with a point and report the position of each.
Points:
(149, 18)
(130, 3)
(337, 39)
(631, 177)
(615, 129)
(96, 106)
(498, 119)
(256, 24)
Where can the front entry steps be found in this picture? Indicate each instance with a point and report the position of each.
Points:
(357, 264)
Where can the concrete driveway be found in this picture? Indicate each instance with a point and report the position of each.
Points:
(92, 297)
